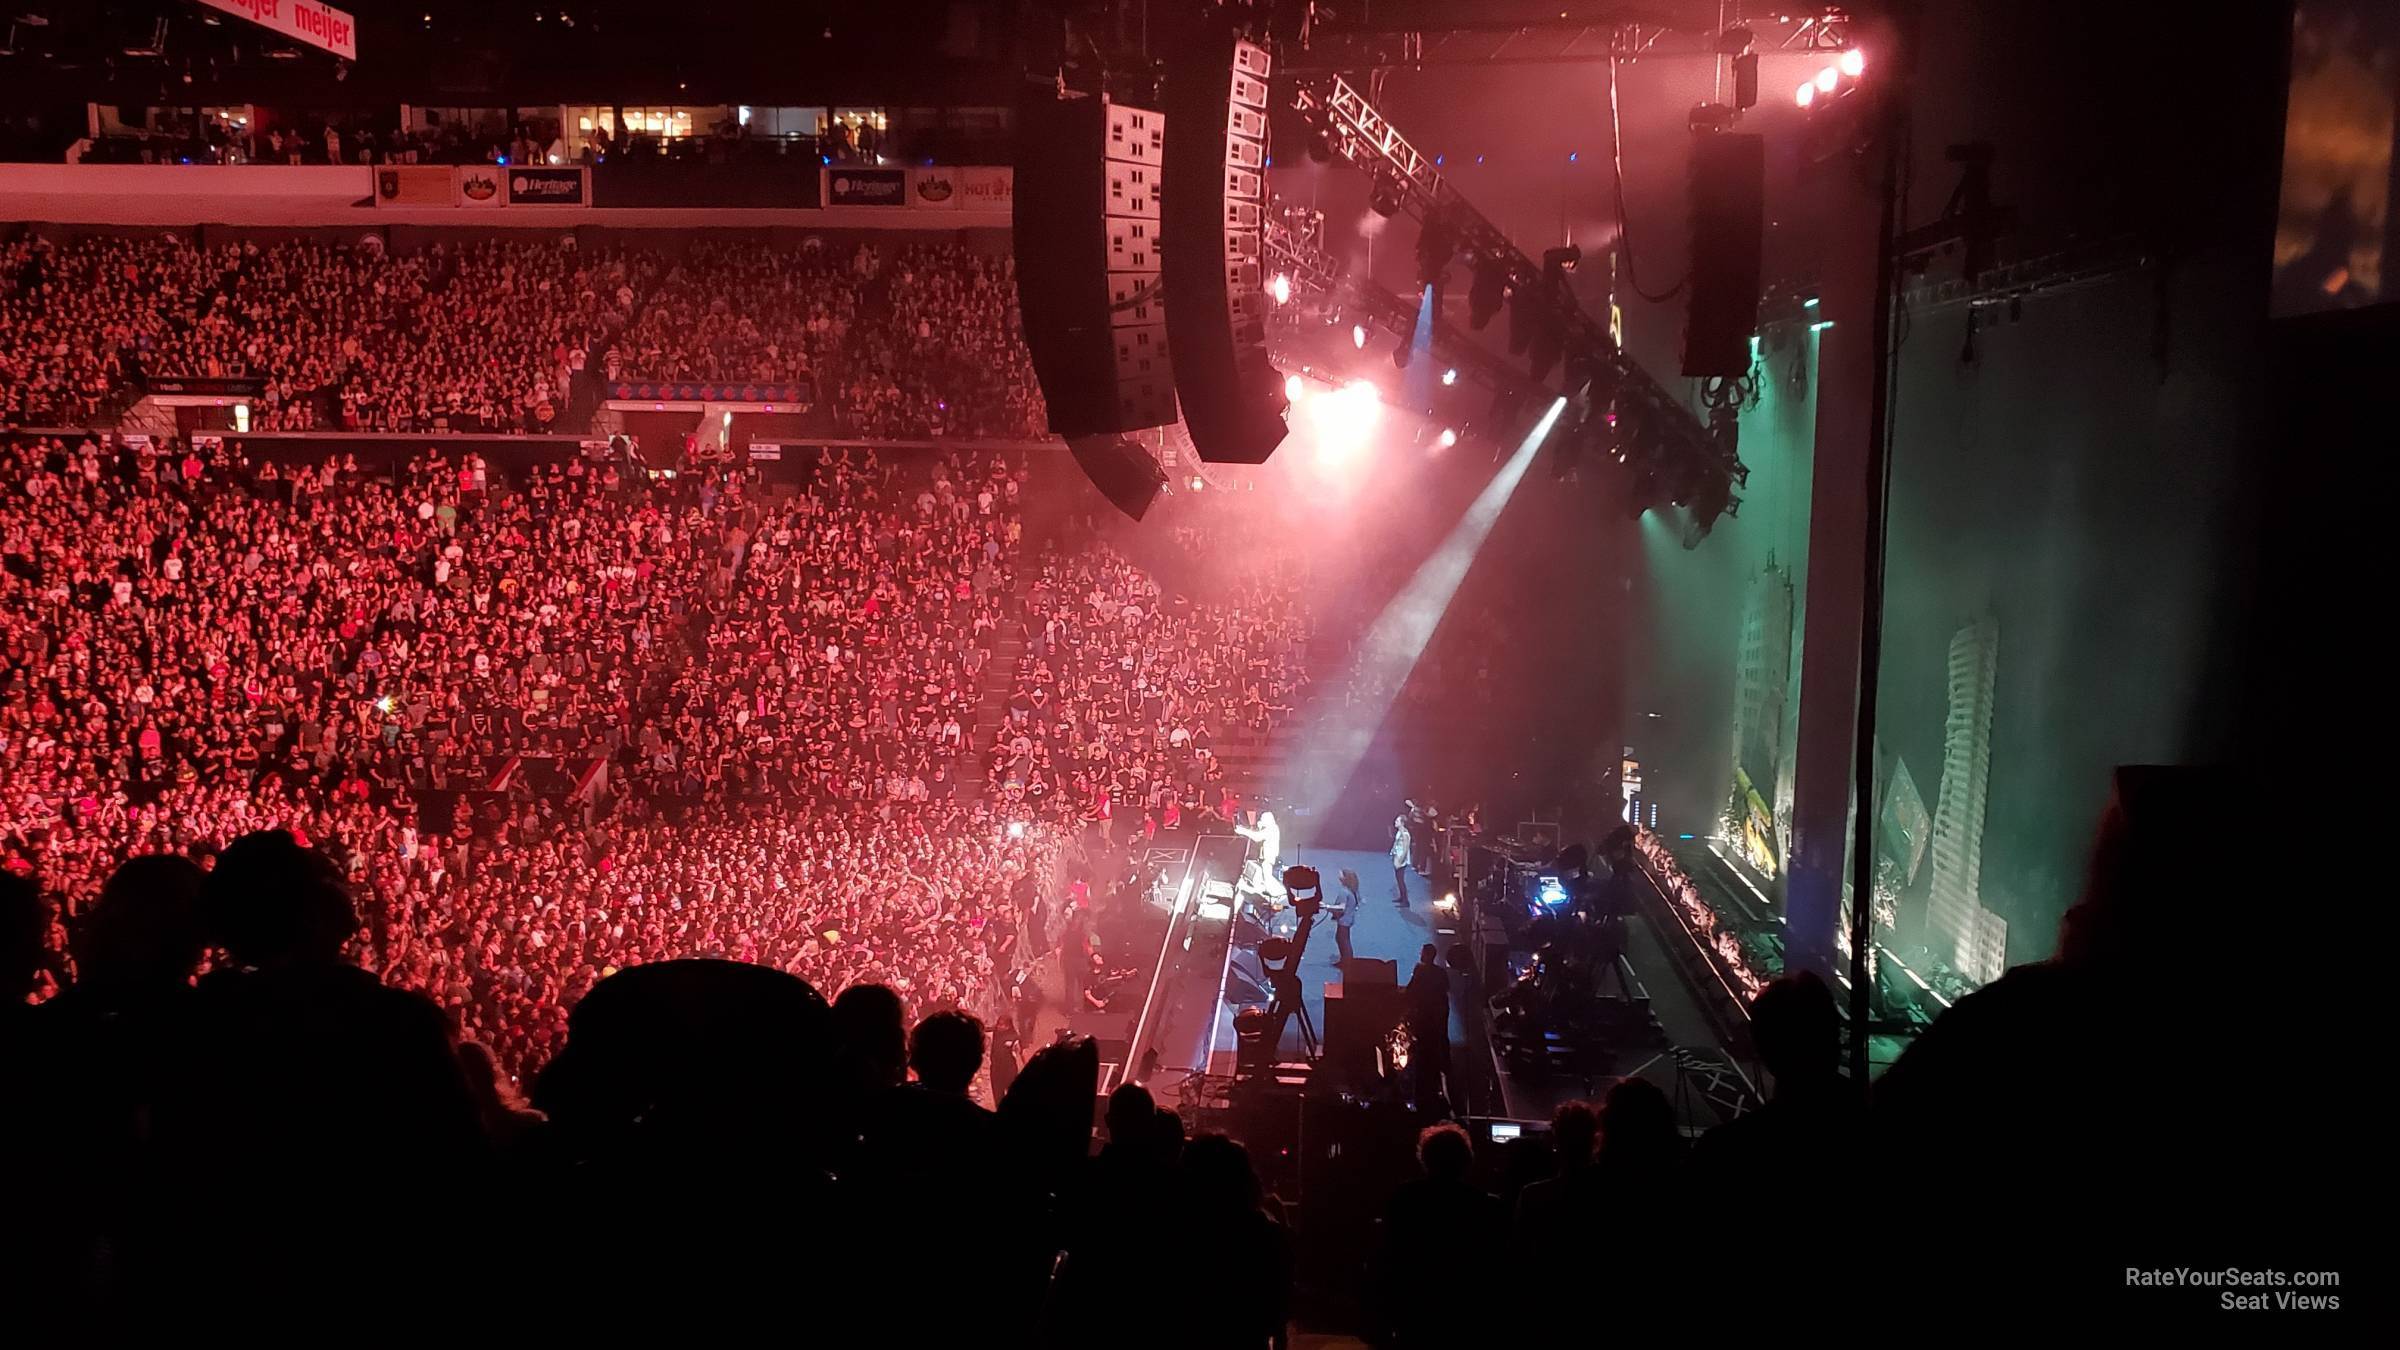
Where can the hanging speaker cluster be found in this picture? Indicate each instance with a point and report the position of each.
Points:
(1086, 219)
(1215, 208)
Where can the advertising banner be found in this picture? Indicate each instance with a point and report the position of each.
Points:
(933, 189)
(205, 386)
(481, 185)
(866, 187)
(320, 26)
(546, 187)
(986, 189)
(694, 391)
(412, 185)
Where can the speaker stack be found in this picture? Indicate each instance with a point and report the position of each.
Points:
(1086, 219)
(1215, 205)
(1729, 184)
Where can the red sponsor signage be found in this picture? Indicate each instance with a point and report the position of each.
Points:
(317, 25)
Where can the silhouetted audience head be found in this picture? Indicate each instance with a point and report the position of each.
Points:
(24, 924)
(2158, 882)
(502, 1108)
(946, 1049)
(145, 928)
(1130, 1109)
(1048, 1110)
(1797, 1029)
(1166, 1133)
(1218, 1177)
(270, 901)
(1445, 1152)
(678, 1049)
(1637, 1125)
(1574, 1133)
(870, 1029)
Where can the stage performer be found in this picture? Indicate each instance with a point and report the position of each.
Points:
(1261, 876)
(1400, 859)
(1269, 838)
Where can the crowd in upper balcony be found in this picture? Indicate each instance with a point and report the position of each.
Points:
(891, 341)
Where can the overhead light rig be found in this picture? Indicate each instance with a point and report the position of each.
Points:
(1342, 122)
(1315, 276)
(1576, 37)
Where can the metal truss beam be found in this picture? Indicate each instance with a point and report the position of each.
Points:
(1315, 276)
(1367, 140)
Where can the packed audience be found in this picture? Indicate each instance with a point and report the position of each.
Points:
(552, 727)
(910, 341)
(488, 768)
(1125, 687)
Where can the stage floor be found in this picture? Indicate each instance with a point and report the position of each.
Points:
(1197, 986)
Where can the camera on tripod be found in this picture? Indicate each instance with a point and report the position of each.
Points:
(1305, 889)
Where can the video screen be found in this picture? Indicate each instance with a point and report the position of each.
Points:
(2333, 237)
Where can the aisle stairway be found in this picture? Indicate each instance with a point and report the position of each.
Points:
(999, 677)
(1046, 522)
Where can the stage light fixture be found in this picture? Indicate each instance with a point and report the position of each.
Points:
(1344, 419)
(1565, 258)
(1293, 388)
(1358, 336)
(1828, 79)
(1713, 498)
(1853, 63)
(1523, 314)
(1745, 80)
(1447, 439)
(1487, 293)
(1436, 243)
(1450, 376)
(1281, 289)
(1385, 199)
(1805, 94)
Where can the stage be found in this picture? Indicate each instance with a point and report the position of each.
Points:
(1173, 1030)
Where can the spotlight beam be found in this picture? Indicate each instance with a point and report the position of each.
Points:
(1399, 635)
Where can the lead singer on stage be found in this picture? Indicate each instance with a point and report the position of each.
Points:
(1400, 859)
(1260, 875)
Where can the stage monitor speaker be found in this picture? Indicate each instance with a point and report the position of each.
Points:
(1357, 1018)
(1125, 472)
(1370, 970)
(1215, 199)
(1728, 182)
(1111, 1031)
(1086, 218)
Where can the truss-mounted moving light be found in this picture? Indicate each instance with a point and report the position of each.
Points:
(1488, 292)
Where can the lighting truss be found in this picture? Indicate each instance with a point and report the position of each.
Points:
(1368, 140)
(1315, 275)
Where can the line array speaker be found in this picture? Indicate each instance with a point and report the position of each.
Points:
(1086, 219)
(1215, 198)
(1729, 185)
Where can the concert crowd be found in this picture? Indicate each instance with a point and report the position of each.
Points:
(553, 728)
(908, 341)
